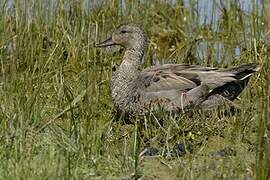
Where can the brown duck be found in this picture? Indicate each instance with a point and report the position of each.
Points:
(172, 87)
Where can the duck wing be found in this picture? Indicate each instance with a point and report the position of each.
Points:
(182, 77)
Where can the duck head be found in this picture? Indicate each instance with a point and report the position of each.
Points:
(127, 36)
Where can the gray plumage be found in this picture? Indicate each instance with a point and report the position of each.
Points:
(172, 87)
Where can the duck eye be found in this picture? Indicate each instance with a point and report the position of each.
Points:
(123, 31)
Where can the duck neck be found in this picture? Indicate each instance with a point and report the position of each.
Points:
(123, 87)
(131, 63)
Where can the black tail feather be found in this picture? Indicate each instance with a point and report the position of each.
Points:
(232, 89)
(244, 71)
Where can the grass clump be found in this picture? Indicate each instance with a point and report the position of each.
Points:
(56, 115)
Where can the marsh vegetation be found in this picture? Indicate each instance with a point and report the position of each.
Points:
(57, 119)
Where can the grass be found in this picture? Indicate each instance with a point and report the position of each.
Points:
(56, 115)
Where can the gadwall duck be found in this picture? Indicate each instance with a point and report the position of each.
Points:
(171, 87)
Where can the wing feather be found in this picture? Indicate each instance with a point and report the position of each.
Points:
(182, 77)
